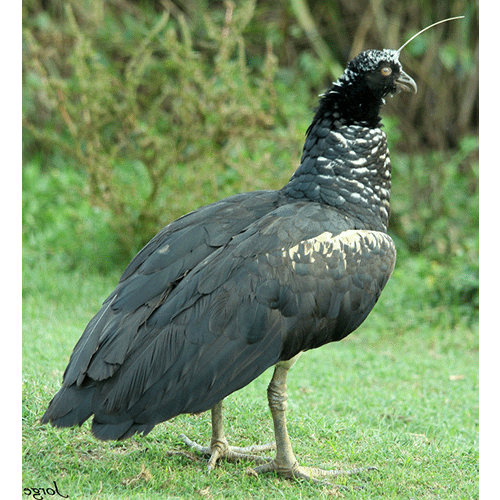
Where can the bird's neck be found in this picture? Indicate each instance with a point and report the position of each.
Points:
(345, 164)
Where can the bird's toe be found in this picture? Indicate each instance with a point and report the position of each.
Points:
(220, 449)
(313, 474)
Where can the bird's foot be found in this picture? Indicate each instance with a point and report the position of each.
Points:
(221, 449)
(313, 474)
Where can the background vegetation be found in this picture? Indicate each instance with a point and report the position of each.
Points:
(135, 112)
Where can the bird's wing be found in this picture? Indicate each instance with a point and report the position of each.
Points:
(293, 280)
(152, 275)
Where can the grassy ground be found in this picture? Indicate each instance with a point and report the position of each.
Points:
(400, 394)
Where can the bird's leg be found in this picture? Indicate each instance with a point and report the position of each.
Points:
(219, 447)
(218, 444)
(285, 462)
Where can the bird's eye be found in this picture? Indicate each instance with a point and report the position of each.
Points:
(386, 71)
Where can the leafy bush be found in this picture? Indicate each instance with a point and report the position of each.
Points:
(60, 224)
(165, 115)
(435, 216)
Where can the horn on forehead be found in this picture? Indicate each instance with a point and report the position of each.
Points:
(425, 29)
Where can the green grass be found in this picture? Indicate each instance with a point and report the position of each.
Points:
(400, 394)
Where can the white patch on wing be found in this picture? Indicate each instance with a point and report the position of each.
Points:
(326, 243)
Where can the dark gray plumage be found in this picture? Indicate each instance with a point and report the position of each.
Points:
(225, 292)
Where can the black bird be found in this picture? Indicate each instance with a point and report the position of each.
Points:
(251, 281)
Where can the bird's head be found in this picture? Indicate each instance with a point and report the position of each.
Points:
(379, 72)
(374, 74)
(359, 93)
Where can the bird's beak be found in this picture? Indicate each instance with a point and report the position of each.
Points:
(405, 83)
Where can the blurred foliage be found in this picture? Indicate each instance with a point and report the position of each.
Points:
(159, 108)
(137, 112)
